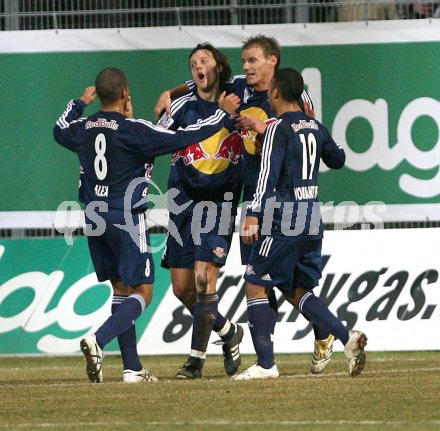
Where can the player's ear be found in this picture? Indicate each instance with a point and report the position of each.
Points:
(273, 60)
(124, 93)
(220, 68)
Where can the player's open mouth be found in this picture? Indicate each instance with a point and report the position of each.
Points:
(201, 76)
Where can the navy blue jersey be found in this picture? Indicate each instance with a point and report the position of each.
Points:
(253, 104)
(208, 168)
(117, 153)
(288, 180)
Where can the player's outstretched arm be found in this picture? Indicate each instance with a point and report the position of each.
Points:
(154, 140)
(250, 123)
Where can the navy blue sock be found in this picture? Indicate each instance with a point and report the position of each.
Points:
(319, 314)
(127, 340)
(224, 328)
(320, 333)
(273, 303)
(260, 321)
(205, 312)
(121, 320)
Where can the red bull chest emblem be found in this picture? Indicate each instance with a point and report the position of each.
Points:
(228, 150)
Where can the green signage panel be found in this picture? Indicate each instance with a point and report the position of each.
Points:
(50, 297)
(380, 101)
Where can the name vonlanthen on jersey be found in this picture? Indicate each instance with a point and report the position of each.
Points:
(305, 192)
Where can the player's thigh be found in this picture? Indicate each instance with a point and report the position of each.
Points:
(180, 251)
(213, 241)
(184, 286)
(206, 276)
(308, 269)
(271, 262)
(213, 248)
(131, 248)
(103, 259)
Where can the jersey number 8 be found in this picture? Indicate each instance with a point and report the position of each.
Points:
(100, 160)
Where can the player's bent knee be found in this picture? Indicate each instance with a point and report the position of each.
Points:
(254, 291)
(187, 297)
(146, 291)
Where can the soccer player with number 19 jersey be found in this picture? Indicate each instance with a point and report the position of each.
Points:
(288, 254)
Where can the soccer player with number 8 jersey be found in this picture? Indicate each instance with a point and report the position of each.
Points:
(117, 155)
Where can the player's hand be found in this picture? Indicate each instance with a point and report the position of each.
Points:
(229, 103)
(164, 102)
(308, 109)
(249, 230)
(129, 109)
(250, 123)
(89, 95)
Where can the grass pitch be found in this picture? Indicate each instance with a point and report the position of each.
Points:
(396, 391)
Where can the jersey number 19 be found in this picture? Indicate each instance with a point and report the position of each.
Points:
(309, 155)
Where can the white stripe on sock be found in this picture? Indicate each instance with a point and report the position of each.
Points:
(140, 299)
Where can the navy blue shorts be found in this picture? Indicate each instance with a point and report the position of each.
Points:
(212, 246)
(275, 261)
(118, 254)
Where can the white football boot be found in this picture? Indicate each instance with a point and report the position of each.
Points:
(354, 351)
(256, 372)
(93, 355)
(130, 376)
(322, 354)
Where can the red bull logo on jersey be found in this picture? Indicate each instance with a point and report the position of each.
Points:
(190, 155)
(230, 148)
(214, 154)
(102, 122)
(303, 124)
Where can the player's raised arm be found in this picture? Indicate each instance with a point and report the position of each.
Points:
(271, 157)
(164, 101)
(89, 95)
(306, 104)
(333, 155)
(129, 109)
(62, 132)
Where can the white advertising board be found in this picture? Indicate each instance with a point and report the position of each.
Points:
(383, 282)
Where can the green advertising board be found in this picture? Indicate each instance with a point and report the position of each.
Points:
(50, 297)
(380, 100)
